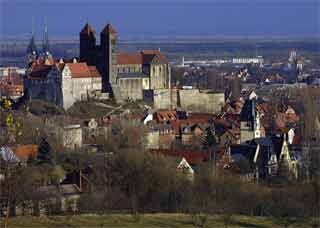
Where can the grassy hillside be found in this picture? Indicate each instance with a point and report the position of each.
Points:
(153, 221)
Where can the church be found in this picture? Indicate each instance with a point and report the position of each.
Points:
(127, 76)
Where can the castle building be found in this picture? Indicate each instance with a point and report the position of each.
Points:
(128, 76)
(61, 83)
(58, 81)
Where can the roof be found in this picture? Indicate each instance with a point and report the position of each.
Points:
(24, 152)
(19, 152)
(129, 58)
(63, 189)
(108, 29)
(144, 57)
(149, 55)
(192, 157)
(87, 30)
(82, 70)
(7, 154)
(94, 72)
(40, 71)
(163, 116)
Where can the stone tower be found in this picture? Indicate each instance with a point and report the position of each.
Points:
(87, 45)
(108, 49)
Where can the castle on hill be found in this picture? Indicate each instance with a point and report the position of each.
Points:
(128, 76)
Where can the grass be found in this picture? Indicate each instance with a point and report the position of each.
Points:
(147, 221)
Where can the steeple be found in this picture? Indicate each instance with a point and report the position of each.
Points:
(45, 42)
(32, 48)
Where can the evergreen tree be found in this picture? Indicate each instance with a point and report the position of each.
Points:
(45, 152)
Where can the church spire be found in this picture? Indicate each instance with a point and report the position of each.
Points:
(32, 48)
(45, 44)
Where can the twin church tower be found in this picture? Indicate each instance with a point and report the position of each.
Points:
(103, 56)
(32, 50)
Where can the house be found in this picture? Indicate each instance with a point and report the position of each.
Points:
(159, 136)
(193, 157)
(59, 198)
(72, 136)
(263, 158)
(250, 122)
(185, 168)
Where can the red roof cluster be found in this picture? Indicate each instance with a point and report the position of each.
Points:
(40, 69)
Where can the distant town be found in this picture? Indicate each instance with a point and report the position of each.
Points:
(102, 127)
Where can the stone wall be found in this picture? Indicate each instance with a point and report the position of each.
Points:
(131, 89)
(161, 99)
(201, 101)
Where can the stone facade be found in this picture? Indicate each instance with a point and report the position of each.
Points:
(192, 100)
(201, 101)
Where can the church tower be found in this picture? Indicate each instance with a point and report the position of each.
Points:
(108, 48)
(87, 44)
(32, 51)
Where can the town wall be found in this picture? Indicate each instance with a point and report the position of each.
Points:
(201, 101)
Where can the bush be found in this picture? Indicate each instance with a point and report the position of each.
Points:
(39, 107)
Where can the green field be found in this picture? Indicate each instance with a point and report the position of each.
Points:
(153, 221)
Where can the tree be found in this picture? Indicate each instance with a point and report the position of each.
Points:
(45, 152)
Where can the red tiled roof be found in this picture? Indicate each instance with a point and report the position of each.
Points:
(24, 152)
(144, 57)
(79, 70)
(94, 72)
(163, 116)
(40, 71)
(82, 70)
(192, 157)
(129, 58)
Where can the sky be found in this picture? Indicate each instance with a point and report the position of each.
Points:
(168, 18)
